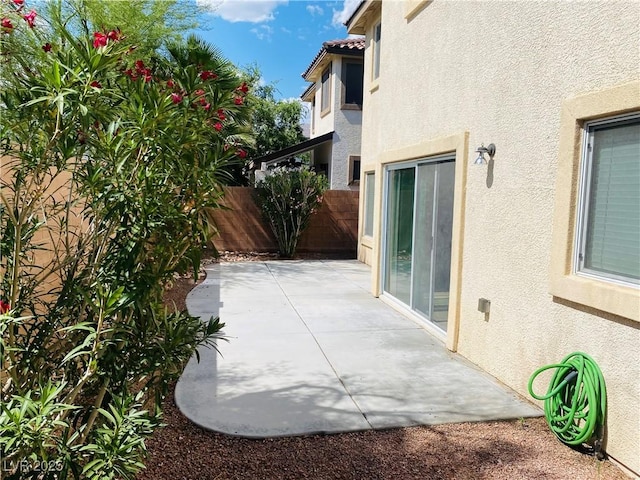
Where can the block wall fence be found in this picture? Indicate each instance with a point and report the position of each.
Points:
(332, 229)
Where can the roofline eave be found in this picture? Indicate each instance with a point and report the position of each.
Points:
(357, 23)
(301, 147)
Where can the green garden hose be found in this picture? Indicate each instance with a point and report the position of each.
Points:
(576, 402)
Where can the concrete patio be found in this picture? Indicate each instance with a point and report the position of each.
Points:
(311, 350)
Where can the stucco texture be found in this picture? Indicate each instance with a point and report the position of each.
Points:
(501, 71)
(345, 123)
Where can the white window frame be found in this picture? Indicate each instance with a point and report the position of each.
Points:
(582, 291)
(313, 114)
(584, 195)
(369, 203)
(325, 91)
(376, 39)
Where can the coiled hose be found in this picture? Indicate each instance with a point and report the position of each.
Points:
(575, 404)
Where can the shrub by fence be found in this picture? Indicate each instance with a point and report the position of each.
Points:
(333, 228)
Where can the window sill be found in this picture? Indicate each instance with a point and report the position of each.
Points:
(374, 86)
(324, 113)
(607, 297)
(350, 106)
(413, 7)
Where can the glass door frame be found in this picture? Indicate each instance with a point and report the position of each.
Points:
(386, 187)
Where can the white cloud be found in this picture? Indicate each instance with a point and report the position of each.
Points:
(315, 10)
(341, 16)
(263, 32)
(255, 11)
(285, 30)
(293, 99)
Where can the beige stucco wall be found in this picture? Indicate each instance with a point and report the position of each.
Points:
(323, 121)
(501, 72)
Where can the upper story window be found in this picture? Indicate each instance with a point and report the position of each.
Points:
(375, 73)
(352, 72)
(325, 92)
(608, 233)
(354, 169)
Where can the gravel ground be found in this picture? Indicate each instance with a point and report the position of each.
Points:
(522, 449)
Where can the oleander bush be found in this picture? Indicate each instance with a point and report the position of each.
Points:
(287, 198)
(110, 163)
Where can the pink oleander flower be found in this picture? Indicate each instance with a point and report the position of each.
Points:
(19, 3)
(96, 84)
(206, 106)
(46, 47)
(243, 88)
(4, 307)
(170, 83)
(242, 153)
(221, 114)
(208, 74)
(114, 35)
(217, 126)
(176, 98)
(99, 40)
(238, 100)
(199, 92)
(7, 26)
(30, 18)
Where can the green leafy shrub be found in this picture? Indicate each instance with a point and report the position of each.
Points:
(287, 198)
(109, 166)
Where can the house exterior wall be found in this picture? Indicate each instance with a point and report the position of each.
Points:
(455, 75)
(324, 123)
(348, 128)
(345, 123)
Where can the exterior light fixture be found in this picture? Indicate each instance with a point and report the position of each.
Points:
(489, 150)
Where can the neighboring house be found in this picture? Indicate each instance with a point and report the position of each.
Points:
(335, 96)
(533, 253)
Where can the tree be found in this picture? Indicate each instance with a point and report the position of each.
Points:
(150, 25)
(275, 123)
(108, 163)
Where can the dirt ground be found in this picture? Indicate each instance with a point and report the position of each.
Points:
(521, 449)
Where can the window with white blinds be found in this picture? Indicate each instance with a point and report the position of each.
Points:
(609, 210)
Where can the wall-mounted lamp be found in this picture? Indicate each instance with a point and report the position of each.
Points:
(489, 150)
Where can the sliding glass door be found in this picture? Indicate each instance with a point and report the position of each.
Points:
(400, 233)
(419, 220)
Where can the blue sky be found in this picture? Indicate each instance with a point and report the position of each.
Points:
(281, 36)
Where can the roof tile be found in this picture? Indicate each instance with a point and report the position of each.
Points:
(351, 45)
